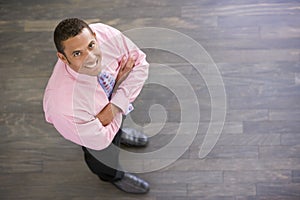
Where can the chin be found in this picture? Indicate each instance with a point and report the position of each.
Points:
(94, 73)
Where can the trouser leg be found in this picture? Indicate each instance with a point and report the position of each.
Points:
(105, 163)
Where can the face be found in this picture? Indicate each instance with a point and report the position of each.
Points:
(82, 53)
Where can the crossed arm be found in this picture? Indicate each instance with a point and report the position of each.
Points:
(107, 114)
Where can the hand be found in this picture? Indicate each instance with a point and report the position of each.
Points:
(108, 113)
(125, 69)
(105, 116)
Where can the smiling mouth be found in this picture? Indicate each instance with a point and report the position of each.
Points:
(92, 67)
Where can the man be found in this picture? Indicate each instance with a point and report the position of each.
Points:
(98, 74)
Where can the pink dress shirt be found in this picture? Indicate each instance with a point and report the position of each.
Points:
(72, 100)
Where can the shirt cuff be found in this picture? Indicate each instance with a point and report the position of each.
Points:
(120, 100)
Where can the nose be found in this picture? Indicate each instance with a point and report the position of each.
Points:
(90, 59)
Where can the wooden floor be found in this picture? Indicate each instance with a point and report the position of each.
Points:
(256, 46)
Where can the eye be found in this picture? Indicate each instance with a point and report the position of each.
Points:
(76, 53)
(92, 45)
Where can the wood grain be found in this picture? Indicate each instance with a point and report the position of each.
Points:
(256, 47)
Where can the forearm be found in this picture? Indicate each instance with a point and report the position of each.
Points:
(107, 115)
(130, 88)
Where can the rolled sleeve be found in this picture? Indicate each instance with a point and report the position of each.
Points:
(121, 99)
(91, 134)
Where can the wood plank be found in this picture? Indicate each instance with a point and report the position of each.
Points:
(244, 176)
(272, 32)
(195, 198)
(221, 189)
(268, 102)
(290, 189)
(172, 177)
(254, 56)
(296, 176)
(21, 161)
(259, 139)
(223, 152)
(297, 78)
(247, 115)
(235, 164)
(279, 151)
(290, 139)
(271, 127)
(260, 20)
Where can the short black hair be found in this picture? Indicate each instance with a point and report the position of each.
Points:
(66, 29)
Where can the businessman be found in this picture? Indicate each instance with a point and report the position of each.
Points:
(99, 73)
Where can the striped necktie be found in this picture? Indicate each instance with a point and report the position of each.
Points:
(107, 82)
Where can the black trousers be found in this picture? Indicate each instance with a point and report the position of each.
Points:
(105, 163)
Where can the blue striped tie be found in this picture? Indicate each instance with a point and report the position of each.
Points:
(107, 82)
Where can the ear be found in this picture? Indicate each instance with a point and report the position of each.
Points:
(62, 57)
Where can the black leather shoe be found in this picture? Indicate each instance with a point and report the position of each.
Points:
(132, 184)
(134, 138)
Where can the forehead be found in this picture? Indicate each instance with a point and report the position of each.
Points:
(79, 42)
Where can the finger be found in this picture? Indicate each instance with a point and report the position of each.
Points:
(123, 63)
(134, 55)
(130, 64)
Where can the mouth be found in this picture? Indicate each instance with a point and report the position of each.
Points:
(92, 66)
